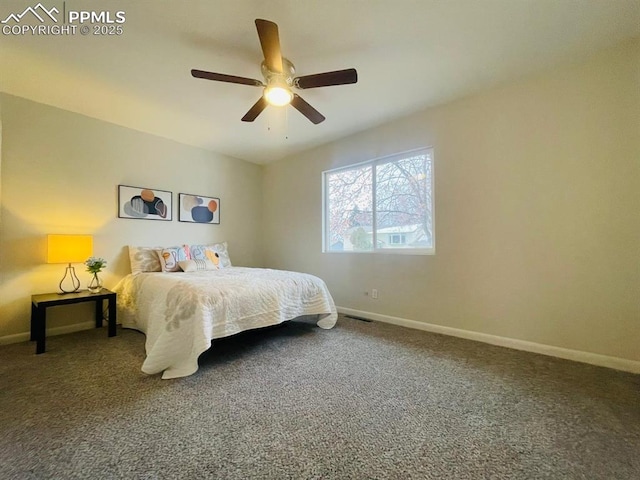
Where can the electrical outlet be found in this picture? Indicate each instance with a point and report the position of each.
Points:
(374, 294)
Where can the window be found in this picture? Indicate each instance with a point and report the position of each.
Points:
(397, 238)
(384, 205)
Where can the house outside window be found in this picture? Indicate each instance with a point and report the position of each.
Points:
(383, 205)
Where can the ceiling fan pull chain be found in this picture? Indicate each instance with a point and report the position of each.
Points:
(286, 124)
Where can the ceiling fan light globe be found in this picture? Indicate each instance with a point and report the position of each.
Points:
(278, 96)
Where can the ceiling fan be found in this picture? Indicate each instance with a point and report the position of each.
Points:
(279, 80)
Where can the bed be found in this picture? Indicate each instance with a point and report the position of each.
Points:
(182, 312)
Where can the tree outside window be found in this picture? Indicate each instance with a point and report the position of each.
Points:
(382, 205)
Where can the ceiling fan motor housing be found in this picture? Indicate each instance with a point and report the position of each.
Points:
(287, 74)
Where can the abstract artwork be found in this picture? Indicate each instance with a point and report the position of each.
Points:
(144, 203)
(198, 209)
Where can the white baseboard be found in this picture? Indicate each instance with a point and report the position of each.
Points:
(575, 355)
(23, 337)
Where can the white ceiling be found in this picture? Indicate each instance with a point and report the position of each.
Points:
(409, 54)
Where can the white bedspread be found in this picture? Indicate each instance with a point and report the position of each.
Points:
(181, 313)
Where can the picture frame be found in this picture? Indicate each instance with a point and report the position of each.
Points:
(144, 203)
(198, 209)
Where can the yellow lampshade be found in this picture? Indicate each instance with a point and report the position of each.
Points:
(69, 248)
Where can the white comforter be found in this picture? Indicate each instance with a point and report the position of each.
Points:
(181, 313)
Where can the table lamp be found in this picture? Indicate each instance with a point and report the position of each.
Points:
(69, 249)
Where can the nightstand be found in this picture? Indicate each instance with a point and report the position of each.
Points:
(40, 303)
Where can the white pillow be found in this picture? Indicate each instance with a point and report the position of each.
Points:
(197, 265)
(144, 259)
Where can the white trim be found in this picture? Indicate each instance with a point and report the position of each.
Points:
(575, 355)
(23, 337)
(385, 251)
(324, 214)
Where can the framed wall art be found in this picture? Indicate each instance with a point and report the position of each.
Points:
(144, 203)
(198, 209)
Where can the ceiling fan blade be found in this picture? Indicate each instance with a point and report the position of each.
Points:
(307, 110)
(339, 77)
(270, 43)
(221, 77)
(256, 110)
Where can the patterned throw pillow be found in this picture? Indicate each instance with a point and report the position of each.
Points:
(197, 265)
(144, 259)
(169, 258)
(216, 252)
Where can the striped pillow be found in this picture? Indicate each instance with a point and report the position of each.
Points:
(197, 265)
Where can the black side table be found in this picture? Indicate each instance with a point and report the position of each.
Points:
(40, 303)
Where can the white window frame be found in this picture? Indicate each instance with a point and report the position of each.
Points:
(379, 161)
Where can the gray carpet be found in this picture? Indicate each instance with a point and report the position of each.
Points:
(364, 400)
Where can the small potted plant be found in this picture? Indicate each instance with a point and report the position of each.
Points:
(95, 266)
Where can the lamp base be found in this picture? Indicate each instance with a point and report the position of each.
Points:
(70, 282)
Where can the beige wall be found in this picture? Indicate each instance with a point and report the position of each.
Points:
(60, 172)
(537, 208)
